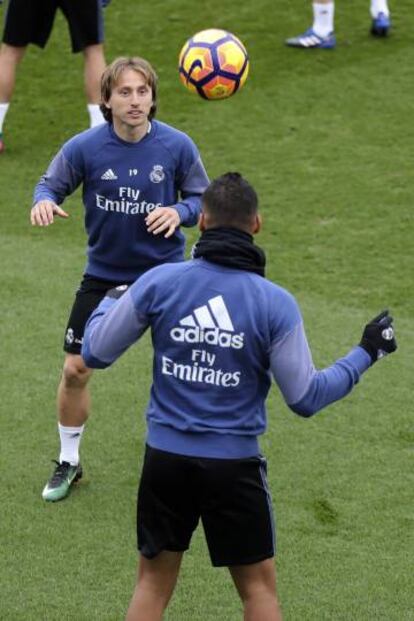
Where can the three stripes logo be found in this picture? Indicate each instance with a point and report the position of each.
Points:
(109, 175)
(309, 41)
(210, 324)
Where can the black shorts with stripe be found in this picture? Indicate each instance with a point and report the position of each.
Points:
(89, 295)
(230, 496)
(31, 21)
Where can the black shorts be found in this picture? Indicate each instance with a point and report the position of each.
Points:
(230, 496)
(31, 21)
(88, 296)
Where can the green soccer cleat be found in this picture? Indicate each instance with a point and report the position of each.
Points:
(61, 481)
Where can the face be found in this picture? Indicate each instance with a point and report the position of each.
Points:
(131, 99)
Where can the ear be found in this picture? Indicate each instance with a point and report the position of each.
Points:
(202, 222)
(257, 224)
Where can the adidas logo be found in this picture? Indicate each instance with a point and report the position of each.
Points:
(210, 324)
(109, 175)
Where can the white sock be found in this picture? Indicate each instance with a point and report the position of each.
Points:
(323, 18)
(95, 115)
(3, 111)
(379, 6)
(70, 438)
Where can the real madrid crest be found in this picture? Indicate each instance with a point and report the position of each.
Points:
(70, 337)
(157, 174)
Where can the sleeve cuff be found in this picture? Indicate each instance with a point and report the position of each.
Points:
(182, 212)
(360, 358)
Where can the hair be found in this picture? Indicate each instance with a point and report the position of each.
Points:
(230, 201)
(111, 76)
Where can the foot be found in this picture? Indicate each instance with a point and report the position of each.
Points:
(1, 143)
(310, 39)
(61, 481)
(380, 25)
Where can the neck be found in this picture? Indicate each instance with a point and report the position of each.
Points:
(130, 133)
(232, 248)
(229, 227)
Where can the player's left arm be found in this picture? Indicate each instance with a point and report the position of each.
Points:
(307, 390)
(192, 181)
(193, 184)
(112, 328)
(163, 220)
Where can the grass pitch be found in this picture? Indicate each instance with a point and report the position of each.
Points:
(326, 138)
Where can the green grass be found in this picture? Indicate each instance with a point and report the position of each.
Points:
(327, 139)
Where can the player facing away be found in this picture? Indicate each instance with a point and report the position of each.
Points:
(321, 33)
(30, 21)
(219, 330)
(142, 180)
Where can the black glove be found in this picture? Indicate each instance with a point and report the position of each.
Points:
(103, 2)
(117, 292)
(378, 336)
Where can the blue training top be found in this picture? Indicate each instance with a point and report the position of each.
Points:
(218, 335)
(122, 183)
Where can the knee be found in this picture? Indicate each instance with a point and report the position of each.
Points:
(94, 53)
(75, 373)
(256, 581)
(12, 55)
(257, 592)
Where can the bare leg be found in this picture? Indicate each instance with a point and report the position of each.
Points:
(256, 585)
(73, 400)
(155, 585)
(94, 67)
(10, 57)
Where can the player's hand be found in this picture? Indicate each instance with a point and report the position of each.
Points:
(117, 292)
(103, 2)
(163, 220)
(43, 212)
(378, 337)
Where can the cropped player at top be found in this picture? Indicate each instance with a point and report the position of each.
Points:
(321, 34)
(31, 21)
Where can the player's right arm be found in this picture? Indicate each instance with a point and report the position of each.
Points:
(65, 173)
(43, 212)
(116, 323)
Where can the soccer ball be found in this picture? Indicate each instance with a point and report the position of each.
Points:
(214, 64)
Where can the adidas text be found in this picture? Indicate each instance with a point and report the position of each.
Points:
(211, 336)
